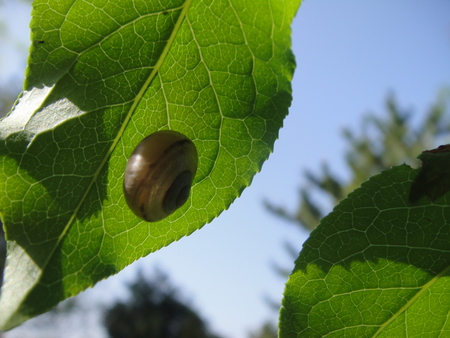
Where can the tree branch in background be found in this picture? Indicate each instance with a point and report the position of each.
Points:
(381, 144)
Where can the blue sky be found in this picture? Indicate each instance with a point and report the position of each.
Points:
(350, 56)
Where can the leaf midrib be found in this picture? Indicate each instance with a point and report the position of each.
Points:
(139, 96)
(424, 288)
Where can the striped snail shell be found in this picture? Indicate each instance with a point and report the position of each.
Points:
(159, 175)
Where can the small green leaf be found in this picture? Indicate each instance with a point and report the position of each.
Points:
(375, 266)
(101, 76)
(434, 177)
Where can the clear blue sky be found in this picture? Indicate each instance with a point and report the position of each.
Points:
(350, 55)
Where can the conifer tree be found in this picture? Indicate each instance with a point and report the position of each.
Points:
(382, 143)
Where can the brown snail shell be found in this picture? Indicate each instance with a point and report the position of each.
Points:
(159, 175)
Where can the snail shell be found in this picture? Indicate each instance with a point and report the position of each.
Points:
(159, 175)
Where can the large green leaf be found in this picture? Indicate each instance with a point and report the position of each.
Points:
(101, 76)
(378, 265)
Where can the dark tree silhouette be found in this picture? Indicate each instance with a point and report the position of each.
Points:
(154, 310)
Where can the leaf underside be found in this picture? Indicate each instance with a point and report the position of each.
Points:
(103, 75)
(378, 265)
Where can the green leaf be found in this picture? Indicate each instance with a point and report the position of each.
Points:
(101, 76)
(376, 266)
(434, 177)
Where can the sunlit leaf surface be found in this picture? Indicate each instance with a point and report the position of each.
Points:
(101, 76)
